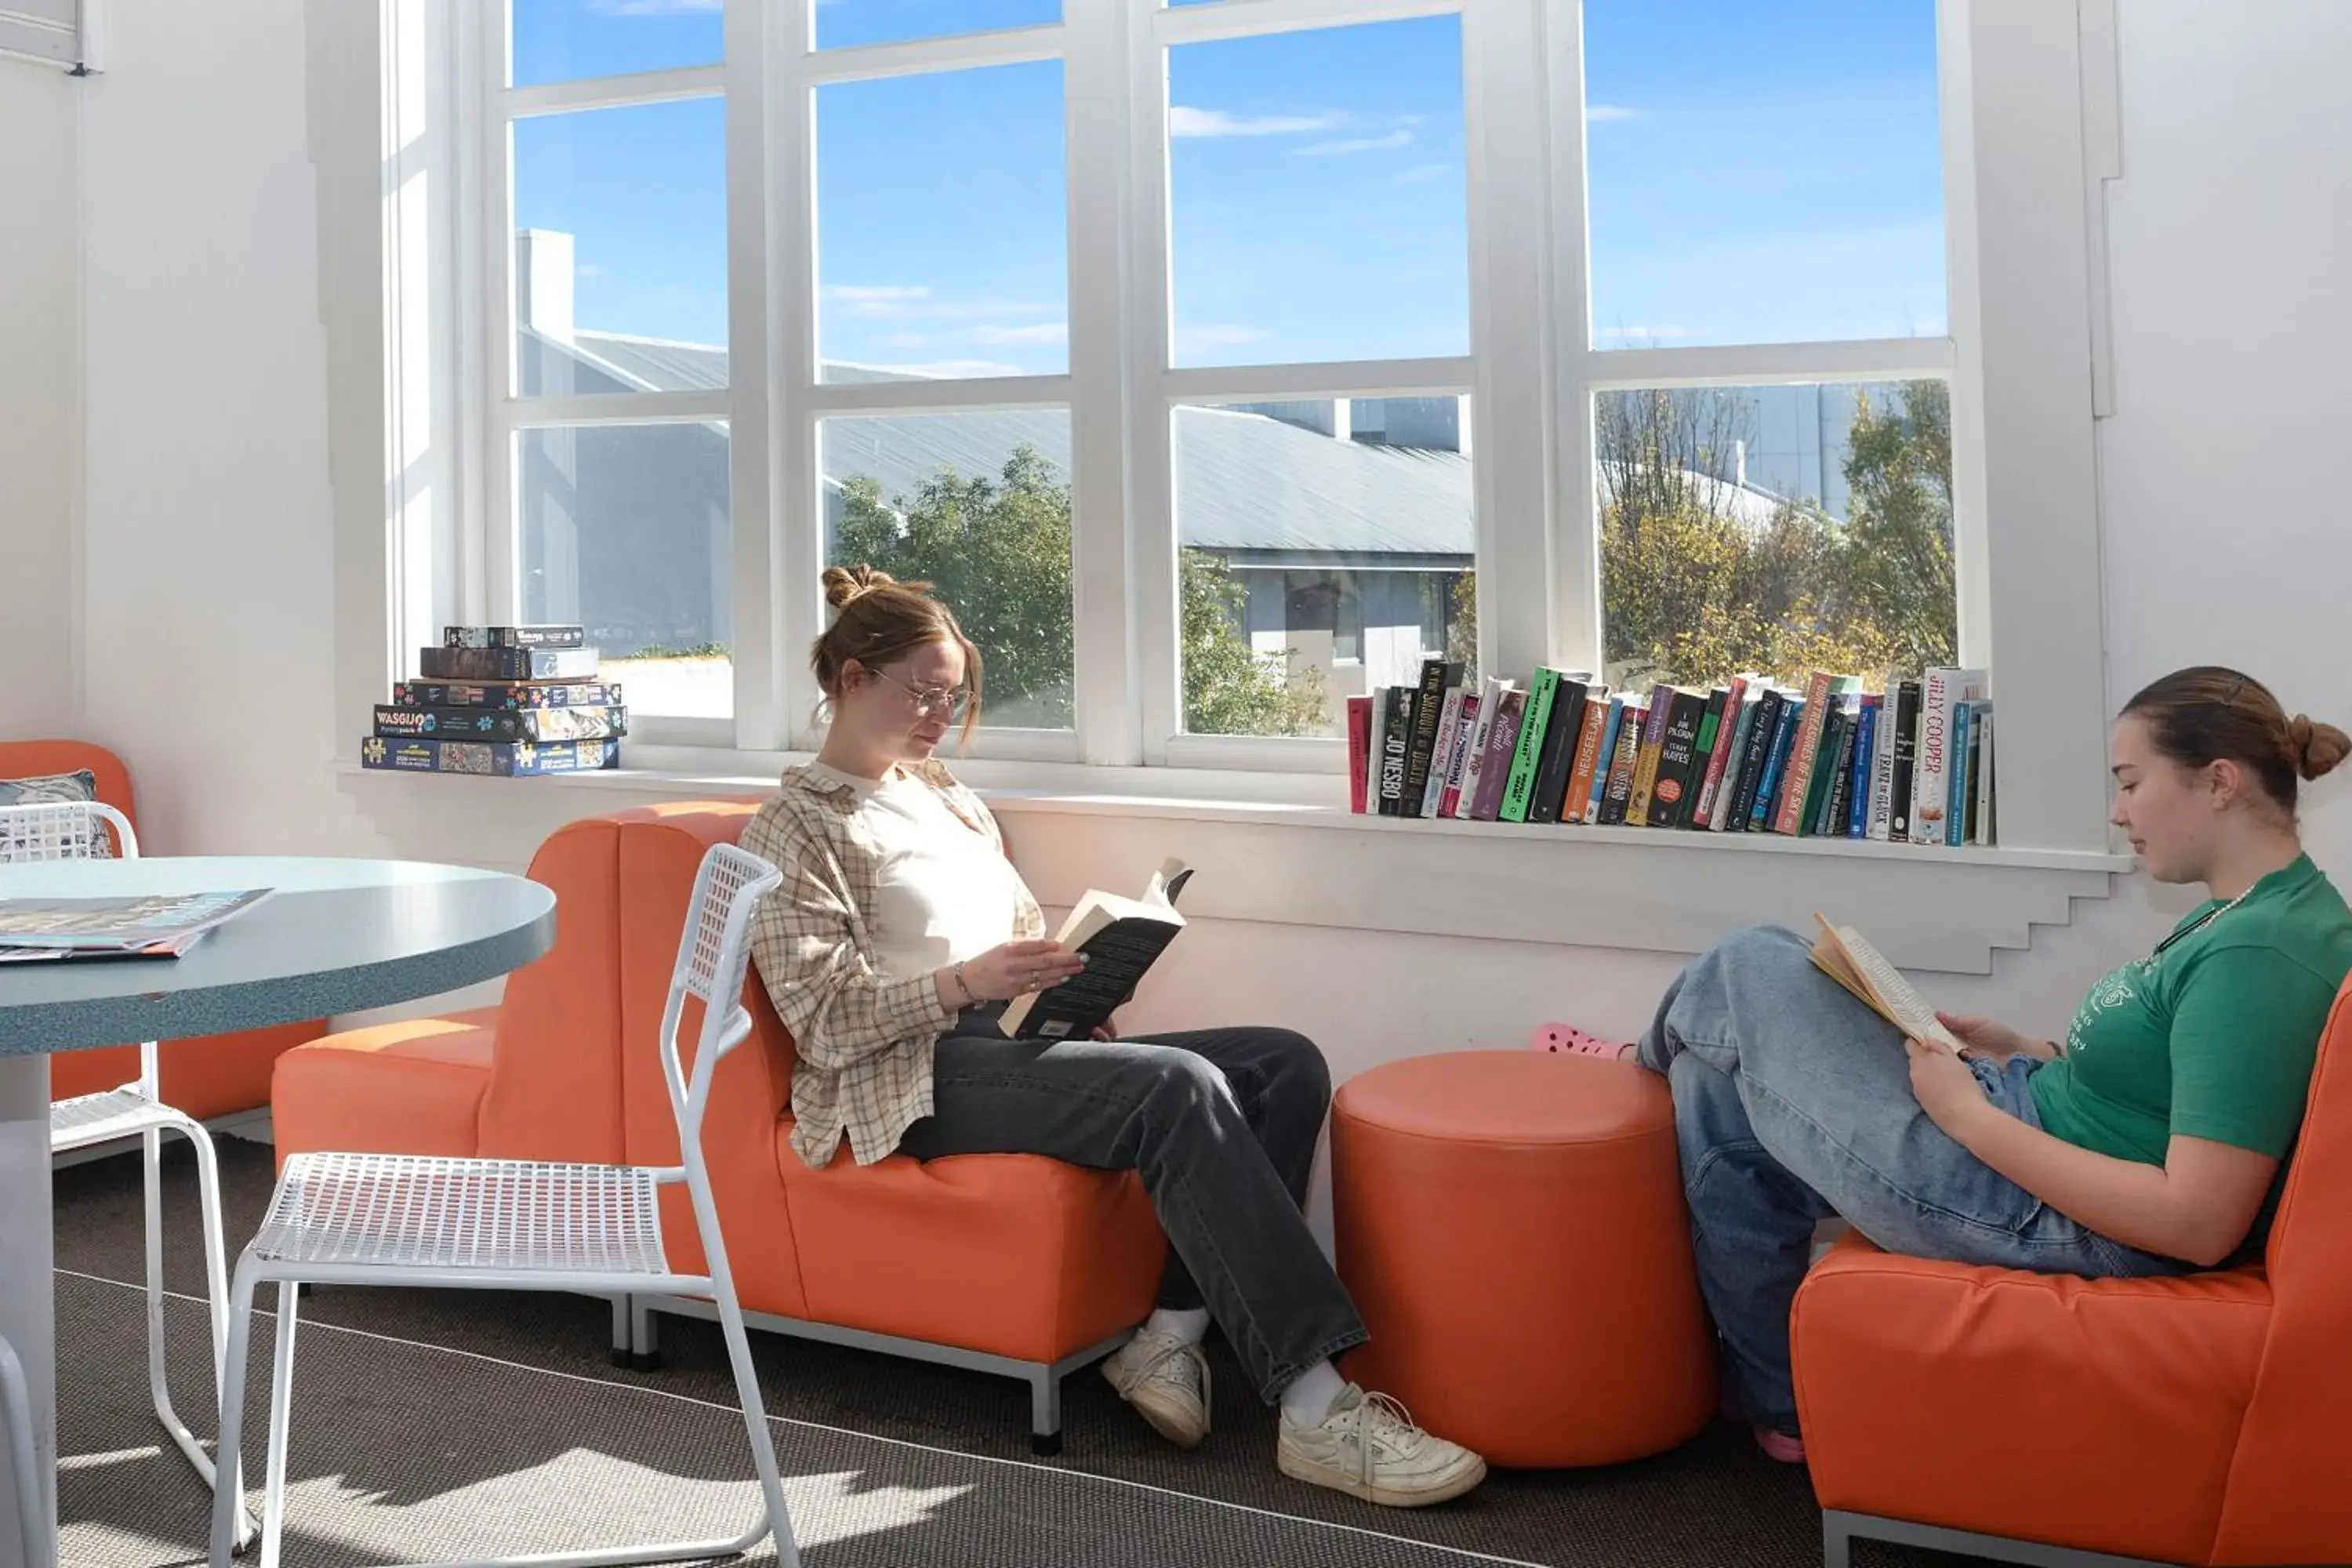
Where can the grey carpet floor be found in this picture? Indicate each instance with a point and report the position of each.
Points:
(444, 1425)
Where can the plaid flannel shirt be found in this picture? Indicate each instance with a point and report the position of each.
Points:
(864, 1039)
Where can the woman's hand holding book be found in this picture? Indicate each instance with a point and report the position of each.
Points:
(1988, 1038)
(1016, 968)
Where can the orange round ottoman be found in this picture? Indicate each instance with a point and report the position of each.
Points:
(1511, 1226)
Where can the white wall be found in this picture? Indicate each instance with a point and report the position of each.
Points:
(208, 493)
(210, 615)
(39, 390)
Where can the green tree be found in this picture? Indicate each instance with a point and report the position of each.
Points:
(997, 548)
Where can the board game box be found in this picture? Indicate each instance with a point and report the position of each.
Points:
(506, 694)
(491, 758)
(513, 637)
(506, 663)
(502, 723)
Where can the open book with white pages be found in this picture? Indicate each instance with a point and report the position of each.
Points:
(1846, 956)
(1121, 938)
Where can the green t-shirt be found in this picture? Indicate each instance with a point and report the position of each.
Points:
(2212, 1036)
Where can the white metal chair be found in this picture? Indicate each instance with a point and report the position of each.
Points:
(403, 1219)
(79, 830)
(25, 1478)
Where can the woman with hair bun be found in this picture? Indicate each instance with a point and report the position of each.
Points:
(2153, 1140)
(901, 931)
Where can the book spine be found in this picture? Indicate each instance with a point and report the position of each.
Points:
(1420, 743)
(1612, 724)
(1518, 788)
(1474, 767)
(1757, 753)
(1589, 732)
(1956, 775)
(1837, 801)
(1789, 814)
(1383, 698)
(1677, 754)
(1770, 788)
(1817, 788)
(1983, 825)
(1502, 745)
(1714, 731)
(1719, 753)
(1865, 744)
(1617, 794)
(1457, 764)
(1360, 750)
(1722, 812)
(1645, 759)
(1441, 755)
(1559, 756)
(1931, 784)
(1905, 766)
(1879, 811)
(1393, 746)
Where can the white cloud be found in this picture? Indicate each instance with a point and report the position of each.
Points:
(588, 270)
(1005, 337)
(1220, 337)
(654, 7)
(862, 295)
(895, 303)
(903, 340)
(1416, 173)
(1349, 148)
(1185, 122)
(1604, 113)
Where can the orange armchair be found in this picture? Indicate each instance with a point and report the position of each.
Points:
(207, 1077)
(1010, 1264)
(2204, 1419)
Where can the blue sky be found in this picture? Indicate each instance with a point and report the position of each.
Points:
(1755, 174)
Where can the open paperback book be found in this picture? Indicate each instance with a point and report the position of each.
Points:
(1121, 938)
(1846, 956)
(157, 925)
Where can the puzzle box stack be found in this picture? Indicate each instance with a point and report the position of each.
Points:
(501, 700)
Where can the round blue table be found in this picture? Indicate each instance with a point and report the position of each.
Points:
(335, 936)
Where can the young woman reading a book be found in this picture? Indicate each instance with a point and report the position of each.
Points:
(901, 931)
(2149, 1141)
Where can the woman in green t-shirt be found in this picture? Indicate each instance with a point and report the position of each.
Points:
(2149, 1142)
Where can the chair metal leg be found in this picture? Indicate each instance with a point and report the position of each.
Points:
(227, 1504)
(755, 1420)
(281, 1412)
(1045, 1412)
(16, 1406)
(644, 1336)
(623, 1340)
(1837, 1539)
(216, 1298)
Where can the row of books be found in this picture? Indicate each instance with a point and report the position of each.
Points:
(1910, 762)
(503, 700)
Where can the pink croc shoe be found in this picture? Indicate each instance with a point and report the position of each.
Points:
(1567, 1039)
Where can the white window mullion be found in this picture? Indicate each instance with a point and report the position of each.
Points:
(1575, 552)
(754, 644)
(1503, 142)
(796, 608)
(471, 518)
(1150, 489)
(502, 555)
(1095, 107)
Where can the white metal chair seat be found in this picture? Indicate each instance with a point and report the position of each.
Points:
(100, 1118)
(410, 1211)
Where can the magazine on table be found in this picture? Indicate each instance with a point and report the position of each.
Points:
(155, 925)
(1846, 956)
(1121, 938)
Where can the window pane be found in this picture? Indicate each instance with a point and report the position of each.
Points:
(1316, 205)
(1761, 174)
(620, 280)
(979, 505)
(841, 24)
(942, 244)
(1327, 550)
(1776, 529)
(626, 532)
(564, 40)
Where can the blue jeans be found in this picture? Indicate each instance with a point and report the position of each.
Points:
(1793, 1103)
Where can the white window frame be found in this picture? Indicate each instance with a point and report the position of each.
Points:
(2017, 355)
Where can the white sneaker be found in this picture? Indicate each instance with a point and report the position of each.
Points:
(1166, 1381)
(1368, 1447)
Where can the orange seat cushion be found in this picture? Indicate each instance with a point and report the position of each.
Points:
(410, 1087)
(1511, 1226)
(982, 1251)
(2095, 1414)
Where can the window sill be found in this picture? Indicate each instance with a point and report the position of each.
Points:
(1283, 848)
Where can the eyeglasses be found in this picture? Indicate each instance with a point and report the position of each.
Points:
(932, 700)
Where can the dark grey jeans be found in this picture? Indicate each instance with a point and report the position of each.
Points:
(1220, 1124)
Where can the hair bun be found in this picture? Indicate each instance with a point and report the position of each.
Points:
(2317, 748)
(843, 584)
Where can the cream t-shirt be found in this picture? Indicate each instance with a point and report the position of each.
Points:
(944, 894)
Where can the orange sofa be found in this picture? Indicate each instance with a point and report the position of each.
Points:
(217, 1075)
(1012, 1264)
(2205, 1419)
